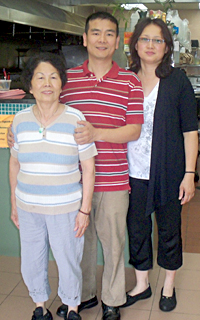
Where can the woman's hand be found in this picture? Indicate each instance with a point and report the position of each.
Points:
(10, 137)
(187, 188)
(82, 222)
(14, 217)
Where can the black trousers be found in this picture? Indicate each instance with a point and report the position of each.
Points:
(139, 225)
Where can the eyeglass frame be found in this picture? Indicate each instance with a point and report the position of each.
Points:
(154, 41)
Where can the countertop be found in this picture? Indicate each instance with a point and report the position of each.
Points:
(28, 98)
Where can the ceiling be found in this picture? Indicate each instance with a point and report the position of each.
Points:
(68, 16)
(81, 5)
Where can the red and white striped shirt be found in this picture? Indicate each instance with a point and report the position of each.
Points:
(111, 102)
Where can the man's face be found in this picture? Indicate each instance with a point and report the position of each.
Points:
(101, 40)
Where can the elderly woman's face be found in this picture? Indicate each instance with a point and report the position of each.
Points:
(46, 83)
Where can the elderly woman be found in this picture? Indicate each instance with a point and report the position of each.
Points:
(161, 162)
(49, 205)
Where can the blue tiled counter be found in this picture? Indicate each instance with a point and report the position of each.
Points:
(12, 106)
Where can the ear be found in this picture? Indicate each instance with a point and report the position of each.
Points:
(136, 46)
(30, 90)
(166, 49)
(85, 39)
(117, 42)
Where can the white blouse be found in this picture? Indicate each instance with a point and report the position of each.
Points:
(139, 151)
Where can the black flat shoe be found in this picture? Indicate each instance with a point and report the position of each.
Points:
(73, 316)
(63, 309)
(140, 296)
(110, 313)
(91, 303)
(167, 303)
(38, 314)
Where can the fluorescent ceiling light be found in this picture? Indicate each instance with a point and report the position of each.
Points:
(134, 5)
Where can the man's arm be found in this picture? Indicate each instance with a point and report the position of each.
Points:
(87, 133)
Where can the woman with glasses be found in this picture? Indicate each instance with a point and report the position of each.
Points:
(161, 162)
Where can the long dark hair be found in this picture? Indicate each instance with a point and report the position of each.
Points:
(164, 68)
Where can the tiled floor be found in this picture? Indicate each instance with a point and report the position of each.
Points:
(15, 303)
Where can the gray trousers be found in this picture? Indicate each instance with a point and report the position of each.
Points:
(38, 232)
(108, 222)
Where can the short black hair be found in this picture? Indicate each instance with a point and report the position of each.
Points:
(103, 15)
(54, 59)
(164, 68)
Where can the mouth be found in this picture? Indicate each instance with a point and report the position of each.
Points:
(101, 48)
(150, 53)
(47, 92)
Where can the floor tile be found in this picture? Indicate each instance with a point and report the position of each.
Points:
(191, 261)
(2, 297)
(159, 315)
(8, 281)
(10, 264)
(137, 314)
(17, 308)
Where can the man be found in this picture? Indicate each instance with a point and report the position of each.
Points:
(112, 101)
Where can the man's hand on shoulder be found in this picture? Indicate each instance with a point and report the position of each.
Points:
(85, 133)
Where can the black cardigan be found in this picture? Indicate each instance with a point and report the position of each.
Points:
(175, 113)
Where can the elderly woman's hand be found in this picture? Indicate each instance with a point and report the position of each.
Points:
(82, 222)
(14, 217)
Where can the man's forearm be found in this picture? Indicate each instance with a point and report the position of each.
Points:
(124, 134)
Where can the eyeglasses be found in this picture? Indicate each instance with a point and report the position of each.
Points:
(154, 41)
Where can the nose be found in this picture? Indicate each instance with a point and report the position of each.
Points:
(150, 44)
(47, 82)
(102, 37)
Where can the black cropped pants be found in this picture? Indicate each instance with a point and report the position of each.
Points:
(139, 225)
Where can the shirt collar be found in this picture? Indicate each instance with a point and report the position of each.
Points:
(112, 73)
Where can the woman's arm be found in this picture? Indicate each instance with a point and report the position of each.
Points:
(187, 187)
(10, 137)
(88, 178)
(13, 172)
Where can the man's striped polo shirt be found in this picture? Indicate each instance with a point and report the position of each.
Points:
(111, 102)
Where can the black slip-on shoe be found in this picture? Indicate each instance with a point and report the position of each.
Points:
(63, 309)
(73, 316)
(167, 304)
(88, 304)
(110, 313)
(140, 296)
(38, 314)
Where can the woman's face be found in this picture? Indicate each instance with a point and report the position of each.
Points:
(151, 52)
(46, 84)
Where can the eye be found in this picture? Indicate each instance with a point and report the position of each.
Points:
(143, 39)
(158, 41)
